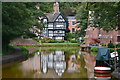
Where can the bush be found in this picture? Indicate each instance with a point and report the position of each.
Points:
(29, 35)
(60, 41)
(112, 50)
(24, 50)
(73, 40)
(66, 41)
(11, 49)
(94, 49)
(37, 39)
(45, 40)
(69, 36)
(118, 50)
(94, 53)
(103, 44)
(53, 41)
(111, 45)
(118, 45)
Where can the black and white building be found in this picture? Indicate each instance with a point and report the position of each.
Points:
(55, 24)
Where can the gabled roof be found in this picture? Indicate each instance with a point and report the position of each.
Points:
(52, 16)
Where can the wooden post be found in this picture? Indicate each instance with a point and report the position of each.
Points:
(115, 58)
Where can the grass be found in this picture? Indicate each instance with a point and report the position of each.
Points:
(60, 43)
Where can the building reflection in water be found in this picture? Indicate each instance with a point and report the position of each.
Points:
(72, 66)
(55, 60)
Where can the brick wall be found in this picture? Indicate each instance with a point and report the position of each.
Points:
(106, 37)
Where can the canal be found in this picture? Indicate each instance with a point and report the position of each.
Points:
(53, 62)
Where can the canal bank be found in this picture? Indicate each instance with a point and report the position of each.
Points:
(50, 45)
(17, 55)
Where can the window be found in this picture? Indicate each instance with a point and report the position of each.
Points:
(73, 23)
(73, 29)
(118, 38)
(50, 34)
(50, 31)
(44, 21)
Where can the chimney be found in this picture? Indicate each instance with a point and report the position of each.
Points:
(56, 7)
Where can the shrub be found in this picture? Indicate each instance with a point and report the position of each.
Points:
(69, 36)
(111, 45)
(118, 45)
(73, 40)
(94, 53)
(112, 50)
(11, 47)
(46, 39)
(60, 41)
(37, 39)
(94, 49)
(103, 44)
(66, 41)
(118, 50)
(53, 41)
(24, 50)
(10, 50)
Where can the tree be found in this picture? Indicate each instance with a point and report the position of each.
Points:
(82, 17)
(106, 14)
(17, 18)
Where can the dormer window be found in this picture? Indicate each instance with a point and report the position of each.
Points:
(44, 20)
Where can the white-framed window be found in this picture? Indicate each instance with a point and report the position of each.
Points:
(58, 38)
(50, 34)
(50, 31)
(44, 20)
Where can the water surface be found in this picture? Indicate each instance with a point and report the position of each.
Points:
(51, 62)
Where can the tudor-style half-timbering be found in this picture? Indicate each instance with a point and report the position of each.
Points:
(55, 26)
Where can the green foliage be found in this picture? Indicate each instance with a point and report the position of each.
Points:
(68, 8)
(46, 40)
(118, 50)
(29, 35)
(105, 15)
(118, 45)
(73, 40)
(53, 41)
(103, 44)
(112, 50)
(24, 50)
(94, 49)
(39, 41)
(10, 50)
(69, 36)
(17, 18)
(60, 41)
(111, 45)
(66, 42)
(94, 53)
(82, 17)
